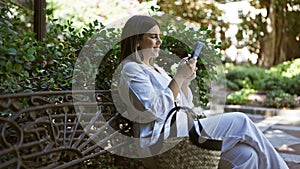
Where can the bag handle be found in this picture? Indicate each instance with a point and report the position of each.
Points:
(195, 138)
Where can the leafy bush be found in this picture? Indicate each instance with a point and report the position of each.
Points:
(293, 86)
(279, 99)
(280, 83)
(240, 97)
(29, 65)
(286, 69)
(243, 77)
(289, 75)
(274, 82)
(284, 77)
(17, 51)
(232, 86)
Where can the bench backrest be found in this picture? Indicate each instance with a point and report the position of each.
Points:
(56, 129)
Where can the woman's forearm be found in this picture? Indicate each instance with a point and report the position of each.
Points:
(175, 85)
(185, 89)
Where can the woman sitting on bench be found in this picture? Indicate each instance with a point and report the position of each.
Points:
(244, 145)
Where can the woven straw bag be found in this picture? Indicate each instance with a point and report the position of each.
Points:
(183, 153)
(186, 155)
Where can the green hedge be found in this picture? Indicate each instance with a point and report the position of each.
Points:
(29, 65)
(244, 77)
(280, 83)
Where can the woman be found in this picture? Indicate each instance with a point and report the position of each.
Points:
(149, 94)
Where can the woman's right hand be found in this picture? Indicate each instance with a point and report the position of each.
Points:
(186, 68)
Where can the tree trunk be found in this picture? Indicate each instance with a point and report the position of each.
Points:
(280, 34)
(267, 54)
(293, 47)
(278, 46)
(40, 19)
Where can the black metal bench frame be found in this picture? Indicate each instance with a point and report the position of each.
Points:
(44, 129)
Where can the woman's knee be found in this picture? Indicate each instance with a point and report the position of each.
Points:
(240, 118)
(240, 156)
(240, 115)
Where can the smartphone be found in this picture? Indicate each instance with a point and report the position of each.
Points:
(197, 50)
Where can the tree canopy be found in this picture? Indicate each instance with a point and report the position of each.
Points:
(274, 36)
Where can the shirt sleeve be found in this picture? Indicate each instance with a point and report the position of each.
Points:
(157, 99)
(186, 101)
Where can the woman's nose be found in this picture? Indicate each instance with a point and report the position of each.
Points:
(159, 41)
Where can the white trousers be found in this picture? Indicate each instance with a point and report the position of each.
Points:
(244, 145)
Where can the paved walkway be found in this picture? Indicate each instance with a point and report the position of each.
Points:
(282, 128)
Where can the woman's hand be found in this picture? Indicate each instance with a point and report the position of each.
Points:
(187, 69)
(190, 78)
(186, 72)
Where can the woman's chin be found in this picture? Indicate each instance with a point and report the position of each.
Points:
(156, 53)
(153, 54)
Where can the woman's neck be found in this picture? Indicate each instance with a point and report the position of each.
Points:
(151, 66)
(147, 62)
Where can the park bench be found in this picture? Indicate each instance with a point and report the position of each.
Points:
(63, 129)
(54, 129)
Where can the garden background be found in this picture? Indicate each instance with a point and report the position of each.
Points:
(273, 72)
(259, 50)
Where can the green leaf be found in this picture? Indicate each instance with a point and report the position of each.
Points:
(30, 51)
(18, 68)
(152, 8)
(208, 31)
(71, 29)
(203, 28)
(29, 57)
(52, 80)
(8, 66)
(26, 74)
(12, 51)
(217, 47)
(96, 22)
(18, 60)
(213, 41)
